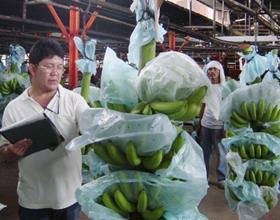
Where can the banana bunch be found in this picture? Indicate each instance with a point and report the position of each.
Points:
(179, 110)
(253, 151)
(138, 209)
(255, 114)
(117, 107)
(261, 178)
(273, 130)
(8, 87)
(112, 154)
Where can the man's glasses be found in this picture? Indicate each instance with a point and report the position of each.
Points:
(51, 68)
(58, 105)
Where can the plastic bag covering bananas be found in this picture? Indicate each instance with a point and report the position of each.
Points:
(119, 203)
(255, 115)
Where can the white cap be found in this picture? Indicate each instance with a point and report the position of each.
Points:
(217, 65)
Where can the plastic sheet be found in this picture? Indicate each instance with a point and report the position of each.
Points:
(94, 93)
(147, 28)
(149, 133)
(118, 81)
(87, 49)
(173, 76)
(230, 86)
(17, 55)
(176, 196)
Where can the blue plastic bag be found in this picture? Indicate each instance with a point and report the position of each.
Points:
(118, 81)
(87, 48)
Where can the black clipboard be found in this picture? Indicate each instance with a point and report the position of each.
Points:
(40, 129)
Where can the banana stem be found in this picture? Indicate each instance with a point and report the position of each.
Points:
(147, 53)
(85, 85)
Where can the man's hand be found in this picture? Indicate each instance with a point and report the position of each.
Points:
(17, 149)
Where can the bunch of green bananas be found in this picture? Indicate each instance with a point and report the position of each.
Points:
(255, 114)
(261, 178)
(232, 194)
(179, 110)
(139, 209)
(253, 151)
(8, 87)
(112, 154)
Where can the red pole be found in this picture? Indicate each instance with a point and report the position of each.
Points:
(172, 40)
(74, 25)
(58, 21)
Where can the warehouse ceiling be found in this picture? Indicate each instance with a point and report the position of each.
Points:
(25, 21)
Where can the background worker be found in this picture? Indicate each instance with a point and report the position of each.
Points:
(212, 129)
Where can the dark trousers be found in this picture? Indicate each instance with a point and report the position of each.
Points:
(210, 138)
(70, 213)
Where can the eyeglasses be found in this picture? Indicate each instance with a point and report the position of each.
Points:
(58, 105)
(51, 68)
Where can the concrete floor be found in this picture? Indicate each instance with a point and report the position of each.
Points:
(214, 205)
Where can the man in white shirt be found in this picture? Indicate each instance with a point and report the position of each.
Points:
(47, 179)
(212, 130)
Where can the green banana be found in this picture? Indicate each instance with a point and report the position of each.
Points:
(265, 151)
(234, 148)
(178, 143)
(110, 203)
(253, 111)
(193, 110)
(244, 111)
(101, 151)
(117, 107)
(125, 187)
(131, 154)
(265, 179)
(261, 109)
(268, 113)
(242, 152)
(147, 110)
(153, 214)
(96, 104)
(236, 124)
(252, 151)
(258, 151)
(236, 117)
(151, 163)
(259, 177)
(142, 202)
(179, 115)
(252, 176)
(197, 95)
(273, 129)
(123, 202)
(138, 108)
(115, 154)
(167, 107)
(272, 180)
(233, 195)
(274, 113)
(229, 133)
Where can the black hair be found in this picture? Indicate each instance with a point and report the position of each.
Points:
(45, 48)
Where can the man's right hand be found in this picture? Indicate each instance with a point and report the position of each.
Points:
(17, 149)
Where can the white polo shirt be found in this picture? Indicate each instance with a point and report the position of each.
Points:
(49, 179)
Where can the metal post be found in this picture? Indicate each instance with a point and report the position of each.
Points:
(214, 16)
(74, 25)
(249, 18)
(223, 17)
(190, 12)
